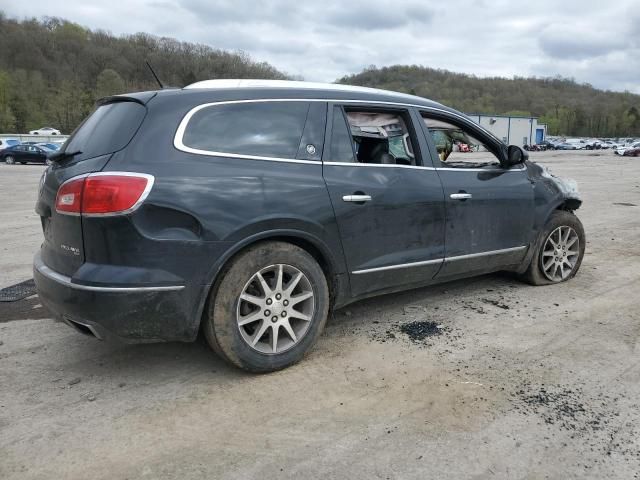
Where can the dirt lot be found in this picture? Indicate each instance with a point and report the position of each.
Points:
(512, 381)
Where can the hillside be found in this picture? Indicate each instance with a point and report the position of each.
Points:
(567, 107)
(52, 71)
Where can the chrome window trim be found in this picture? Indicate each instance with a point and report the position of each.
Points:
(179, 145)
(66, 281)
(377, 165)
(462, 169)
(439, 260)
(179, 136)
(420, 167)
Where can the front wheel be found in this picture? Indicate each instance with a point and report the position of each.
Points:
(559, 251)
(9, 160)
(268, 309)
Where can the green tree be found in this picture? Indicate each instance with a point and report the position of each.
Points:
(7, 118)
(568, 108)
(109, 82)
(52, 70)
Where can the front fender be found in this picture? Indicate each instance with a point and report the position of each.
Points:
(551, 193)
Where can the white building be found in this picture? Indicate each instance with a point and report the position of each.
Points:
(512, 130)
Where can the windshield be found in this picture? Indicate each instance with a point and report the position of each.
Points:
(108, 129)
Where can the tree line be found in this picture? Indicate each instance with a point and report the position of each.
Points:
(568, 108)
(52, 71)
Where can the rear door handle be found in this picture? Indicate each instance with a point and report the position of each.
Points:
(356, 198)
(460, 196)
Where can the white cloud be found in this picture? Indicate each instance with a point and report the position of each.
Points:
(591, 41)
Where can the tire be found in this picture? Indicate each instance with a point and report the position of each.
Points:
(23, 163)
(560, 219)
(247, 275)
(9, 160)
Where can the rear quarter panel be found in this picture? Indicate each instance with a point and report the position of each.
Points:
(204, 208)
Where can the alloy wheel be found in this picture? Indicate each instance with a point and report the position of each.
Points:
(275, 309)
(560, 253)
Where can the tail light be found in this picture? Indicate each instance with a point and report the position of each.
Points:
(113, 193)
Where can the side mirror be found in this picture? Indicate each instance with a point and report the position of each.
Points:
(516, 155)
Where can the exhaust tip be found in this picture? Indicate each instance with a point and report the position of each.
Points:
(83, 328)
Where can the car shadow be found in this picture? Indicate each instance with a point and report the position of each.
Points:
(483, 285)
(175, 361)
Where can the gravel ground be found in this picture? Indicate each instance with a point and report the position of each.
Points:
(482, 378)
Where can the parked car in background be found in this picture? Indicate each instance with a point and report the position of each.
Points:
(227, 208)
(534, 148)
(632, 152)
(6, 143)
(567, 146)
(26, 154)
(579, 143)
(51, 146)
(547, 145)
(623, 150)
(592, 144)
(45, 131)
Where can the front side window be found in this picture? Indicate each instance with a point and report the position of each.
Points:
(457, 147)
(264, 129)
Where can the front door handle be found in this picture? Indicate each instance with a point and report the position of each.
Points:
(356, 198)
(460, 196)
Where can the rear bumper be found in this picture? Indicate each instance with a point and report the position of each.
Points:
(130, 314)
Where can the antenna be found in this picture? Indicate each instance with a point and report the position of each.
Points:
(154, 74)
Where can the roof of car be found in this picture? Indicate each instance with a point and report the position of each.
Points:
(307, 89)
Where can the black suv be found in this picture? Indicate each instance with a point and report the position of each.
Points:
(249, 209)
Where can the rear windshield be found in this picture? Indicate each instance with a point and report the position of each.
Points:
(108, 129)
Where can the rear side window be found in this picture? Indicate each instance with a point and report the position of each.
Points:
(264, 129)
(108, 129)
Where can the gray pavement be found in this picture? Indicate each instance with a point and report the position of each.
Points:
(523, 382)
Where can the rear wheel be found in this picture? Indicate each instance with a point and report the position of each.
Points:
(559, 252)
(9, 160)
(269, 308)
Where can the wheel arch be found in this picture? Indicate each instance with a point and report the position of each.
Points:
(568, 204)
(330, 265)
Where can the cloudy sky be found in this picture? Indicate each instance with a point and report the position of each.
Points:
(592, 41)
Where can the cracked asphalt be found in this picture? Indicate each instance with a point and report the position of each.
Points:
(476, 379)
